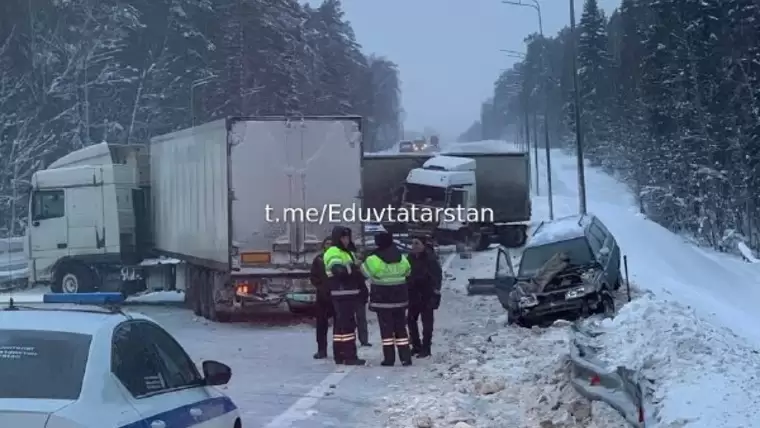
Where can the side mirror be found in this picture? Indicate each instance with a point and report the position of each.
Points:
(216, 373)
(604, 251)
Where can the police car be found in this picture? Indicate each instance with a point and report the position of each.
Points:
(99, 367)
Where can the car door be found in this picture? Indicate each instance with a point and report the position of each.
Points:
(605, 254)
(162, 382)
(611, 243)
(455, 197)
(504, 278)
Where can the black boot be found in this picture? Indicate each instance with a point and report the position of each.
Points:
(389, 355)
(405, 355)
(338, 355)
(320, 355)
(355, 362)
(424, 352)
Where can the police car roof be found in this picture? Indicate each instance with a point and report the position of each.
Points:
(63, 318)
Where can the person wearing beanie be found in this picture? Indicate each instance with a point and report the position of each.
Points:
(424, 295)
(340, 262)
(387, 270)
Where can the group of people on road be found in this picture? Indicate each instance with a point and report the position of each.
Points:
(402, 290)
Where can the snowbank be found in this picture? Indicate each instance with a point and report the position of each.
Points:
(702, 374)
(485, 374)
(721, 287)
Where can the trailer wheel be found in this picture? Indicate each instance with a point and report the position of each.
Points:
(483, 241)
(73, 278)
(213, 282)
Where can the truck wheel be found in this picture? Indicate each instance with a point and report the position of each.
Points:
(484, 241)
(513, 236)
(73, 278)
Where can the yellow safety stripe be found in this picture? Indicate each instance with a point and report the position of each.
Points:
(342, 336)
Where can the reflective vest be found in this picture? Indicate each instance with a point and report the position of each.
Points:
(389, 288)
(334, 256)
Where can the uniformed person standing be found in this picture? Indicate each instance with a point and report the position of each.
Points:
(424, 295)
(387, 269)
(324, 306)
(339, 264)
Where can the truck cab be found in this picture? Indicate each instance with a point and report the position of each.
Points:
(443, 182)
(87, 214)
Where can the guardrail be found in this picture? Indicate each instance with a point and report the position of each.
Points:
(622, 389)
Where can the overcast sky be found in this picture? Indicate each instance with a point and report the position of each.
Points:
(448, 50)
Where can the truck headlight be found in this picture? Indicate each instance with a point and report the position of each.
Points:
(576, 293)
(528, 301)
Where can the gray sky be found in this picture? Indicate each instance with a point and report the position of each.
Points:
(448, 50)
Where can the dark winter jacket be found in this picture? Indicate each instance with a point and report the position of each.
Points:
(318, 278)
(425, 279)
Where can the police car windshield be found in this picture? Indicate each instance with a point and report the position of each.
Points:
(534, 258)
(42, 364)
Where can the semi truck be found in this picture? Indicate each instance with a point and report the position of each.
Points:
(496, 183)
(230, 212)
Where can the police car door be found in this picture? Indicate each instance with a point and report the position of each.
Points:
(161, 381)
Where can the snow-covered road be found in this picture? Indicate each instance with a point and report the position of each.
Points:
(695, 332)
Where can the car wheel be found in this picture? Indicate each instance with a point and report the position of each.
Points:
(618, 282)
(607, 305)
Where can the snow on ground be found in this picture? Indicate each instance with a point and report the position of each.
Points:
(485, 374)
(686, 357)
(488, 375)
(721, 287)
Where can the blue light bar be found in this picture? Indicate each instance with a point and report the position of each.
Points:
(84, 298)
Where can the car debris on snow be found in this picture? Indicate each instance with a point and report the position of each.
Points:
(684, 356)
(485, 374)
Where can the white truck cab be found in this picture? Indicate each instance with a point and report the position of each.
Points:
(443, 182)
(83, 215)
(486, 196)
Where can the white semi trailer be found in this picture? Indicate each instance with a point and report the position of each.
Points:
(189, 212)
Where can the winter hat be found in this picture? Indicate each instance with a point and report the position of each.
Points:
(383, 240)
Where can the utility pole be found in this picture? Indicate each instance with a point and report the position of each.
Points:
(578, 130)
(534, 4)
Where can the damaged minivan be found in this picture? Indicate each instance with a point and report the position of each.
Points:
(569, 269)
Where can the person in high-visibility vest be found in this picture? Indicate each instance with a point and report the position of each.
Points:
(387, 270)
(340, 263)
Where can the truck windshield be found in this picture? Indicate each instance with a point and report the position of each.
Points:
(425, 195)
(534, 258)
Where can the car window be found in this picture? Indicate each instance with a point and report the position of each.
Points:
(599, 225)
(134, 363)
(598, 234)
(503, 267)
(42, 364)
(534, 258)
(595, 241)
(47, 204)
(179, 367)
